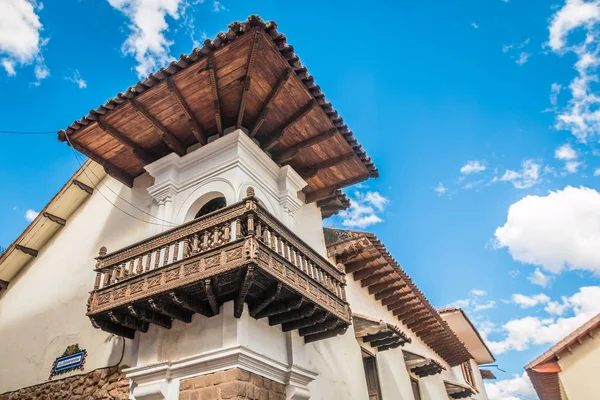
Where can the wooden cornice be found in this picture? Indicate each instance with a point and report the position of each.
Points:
(197, 130)
(169, 138)
(248, 78)
(141, 154)
(303, 112)
(267, 106)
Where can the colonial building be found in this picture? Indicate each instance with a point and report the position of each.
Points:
(569, 369)
(187, 259)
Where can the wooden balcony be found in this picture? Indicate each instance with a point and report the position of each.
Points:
(240, 253)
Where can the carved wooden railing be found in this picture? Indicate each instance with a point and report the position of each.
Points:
(242, 235)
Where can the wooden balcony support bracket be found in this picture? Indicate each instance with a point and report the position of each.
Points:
(57, 220)
(150, 317)
(191, 304)
(110, 168)
(385, 342)
(168, 137)
(270, 295)
(329, 324)
(83, 186)
(113, 328)
(248, 78)
(241, 297)
(303, 112)
(128, 321)
(3, 284)
(210, 295)
(285, 156)
(279, 308)
(210, 66)
(315, 319)
(27, 250)
(197, 129)
(340, 330)
(139, 153)
(378, 336)
(294, 315)
(267, 106)
(170, 311)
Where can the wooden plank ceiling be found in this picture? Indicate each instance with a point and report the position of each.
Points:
(248, 77)
(369, 262)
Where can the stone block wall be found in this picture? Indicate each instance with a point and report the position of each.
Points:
(235, 383)
(101, 384)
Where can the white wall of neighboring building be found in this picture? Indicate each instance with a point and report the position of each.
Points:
(579, 375)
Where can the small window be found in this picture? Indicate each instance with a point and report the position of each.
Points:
(414, 383)
(212, 205)
(468, 374)
(370, 365)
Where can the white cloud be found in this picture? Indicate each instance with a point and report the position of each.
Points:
(440, 189)
(524, 301)
(556, 232)
(523, 58)
(513, 273)
(473, 167)
(30, 215)
(537, 277)
(521, 333)
(217, 6)
(364, 210)
(148, 23)
(572, 166)
(597, 172)
(581, 116)
(518, 387)
(20, 41)
(565, 152)
(478, 292)
(554, 92)
(475, 302)
(484, 306)
(77, 79)
(526, 178)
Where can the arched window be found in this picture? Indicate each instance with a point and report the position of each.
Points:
(212, 205)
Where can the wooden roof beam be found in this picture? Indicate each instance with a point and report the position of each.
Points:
(358, 264)
(57, 220)
(210, 67)
(279, 308)
(329, 324)
(373, 279)
(267, 106)
(365, 272)
(285, 156)
(149, 316)
(170, 311)
(415, 310)
(142, 155)
(197, 130)
(113, 328)
(394, 297)
(326, 335)
(303, 112)
(383, 294)
(190, 304)
(308, 173)
(401, 302)
(168, 137)
(128, 321)
(378, 288)
(3, 284)
(248, 78)
(378, 336)
(110, 168)
(326, 191)
(293, 315)
(315, 319)
(26, 250)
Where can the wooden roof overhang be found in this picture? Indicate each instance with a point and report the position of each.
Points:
(367, 259)
(543, 371)
(247, 77)
(331, 205)
(49, 221)
(378, 334)
(458, 391)
(487, 374)
(421, 365)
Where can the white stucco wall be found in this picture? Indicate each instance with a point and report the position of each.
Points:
(580, 369)
(43, 310)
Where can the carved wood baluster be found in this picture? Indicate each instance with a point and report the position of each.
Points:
(139, 266)
(288, 254)
(251, 224)
(186, 247)
(176, 251)
(238, 228)
(156, 258)
(147, 262)
(97, 281)
(167, 254)
(195, 243)
(343, 292)
(205, 240)
(266, 237)
(113, 275)
(275, 241)
(259, 233)
(227, 233)
(122, 271)
(106, 273)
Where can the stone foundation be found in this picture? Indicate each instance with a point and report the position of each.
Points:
(101, 384)
(234, 383)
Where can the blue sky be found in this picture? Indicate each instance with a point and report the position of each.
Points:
(469, 108)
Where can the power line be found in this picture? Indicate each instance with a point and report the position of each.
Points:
(28, 132)
(115, 193)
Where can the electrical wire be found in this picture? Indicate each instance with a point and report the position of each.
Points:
(28, 132)
(106, 198)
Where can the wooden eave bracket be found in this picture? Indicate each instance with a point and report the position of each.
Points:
(197, 130)
(168, 137)
(27, 250)
(54, 218)
(83, 186)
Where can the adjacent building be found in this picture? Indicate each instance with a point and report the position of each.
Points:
(187, 259)
(568, 370)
